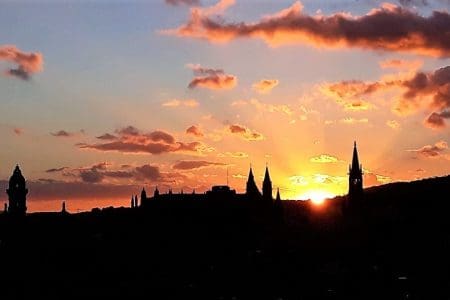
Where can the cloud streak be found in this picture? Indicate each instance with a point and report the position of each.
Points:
(432, 151)
(194, 164)
(388, 28)
(26, 63)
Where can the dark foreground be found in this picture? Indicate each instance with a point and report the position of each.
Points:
(397, 246)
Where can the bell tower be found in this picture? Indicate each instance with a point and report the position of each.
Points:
(17, 193)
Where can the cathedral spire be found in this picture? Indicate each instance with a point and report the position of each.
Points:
(267, 186)
(252, 190)
(355, 161)
(278, 198)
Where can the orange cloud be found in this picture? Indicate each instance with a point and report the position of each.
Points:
(132, 140)
(432, 151)
(393, 124)
(388, 28)
(195, 131)
(215, 79)
(401, 64)
(194, 164)
(423, 89)
(27, 63)
(324, 158)
(178, 103)
(245, 133)
(237, 154)
(265, 86)
(351, 121)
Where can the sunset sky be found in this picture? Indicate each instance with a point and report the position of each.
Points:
(101, 98)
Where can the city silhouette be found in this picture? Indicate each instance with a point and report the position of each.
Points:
(225, 149)
(385, 242)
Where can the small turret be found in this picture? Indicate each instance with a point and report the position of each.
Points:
(156, 192)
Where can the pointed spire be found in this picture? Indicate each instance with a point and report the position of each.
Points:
(355, 160)
(266, 175)
(250, 174)
(278, 198)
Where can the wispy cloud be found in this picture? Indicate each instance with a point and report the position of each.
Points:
(180, 103)
(432, 151)
(324, 158)
(195, 164)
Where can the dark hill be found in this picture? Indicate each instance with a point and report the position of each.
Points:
(395, 246)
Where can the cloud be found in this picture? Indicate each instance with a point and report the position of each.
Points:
(351, 121)
(393, 124)
(265, 86)
(132, 140)
(27, 63)
(194, 164)
(107, 137)
(281, 108)
(91, 176)
(324, 158)
(178, 103)
(401, 64)
(215, 79)
(185, 2)
(195, 131)
(148, 172)
(63, 133)
(245, 133)
(54, 170)
(432, 151)
(422, 89)
(236, 154)
(347, 94)
(437, 119)
(18, 131)
(388, 28)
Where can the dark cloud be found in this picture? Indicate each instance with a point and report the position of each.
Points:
(54, 170)
(107, 137)
(132, 140)
(62, 133)
(195, 131)
(148, 172)
(437, 119)
(27, 63)
(185, 2)
(91, 176)
(245, 132)
(388, 28)
(194, 164)
(215, 79)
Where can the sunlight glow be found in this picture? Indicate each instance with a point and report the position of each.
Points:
(317, 197)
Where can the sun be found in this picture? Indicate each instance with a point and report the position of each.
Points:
(317, 197)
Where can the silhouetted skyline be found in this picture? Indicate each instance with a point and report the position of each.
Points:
(171, 97)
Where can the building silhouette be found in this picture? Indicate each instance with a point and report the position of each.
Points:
(17, 193)
(355, 179)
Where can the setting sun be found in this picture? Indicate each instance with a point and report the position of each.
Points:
(316, 196)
